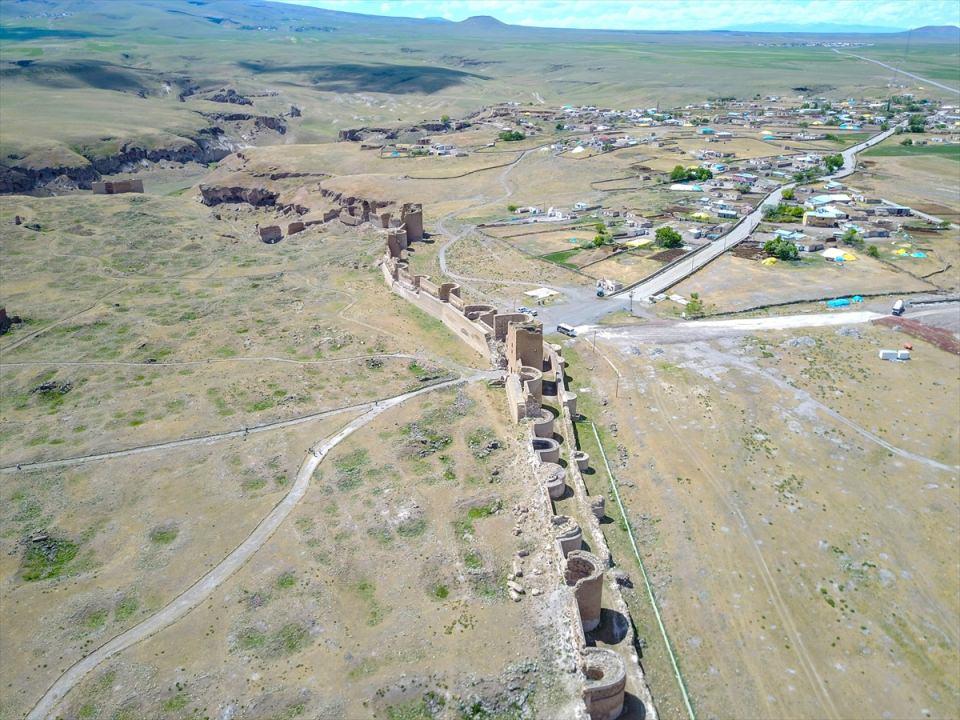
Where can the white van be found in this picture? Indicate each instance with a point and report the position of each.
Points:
(898, 308)
(566, 330)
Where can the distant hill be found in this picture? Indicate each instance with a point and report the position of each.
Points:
(937, 33)
(483, 21)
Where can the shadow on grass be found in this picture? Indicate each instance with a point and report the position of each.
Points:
(384, 78)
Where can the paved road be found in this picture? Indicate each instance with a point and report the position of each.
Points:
(679, 331)
(902, 72)
(684, 267)
(197, 592)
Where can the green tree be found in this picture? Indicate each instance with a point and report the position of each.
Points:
(789, 194)
(445, 119)
(916, 124)
(873, 251)
(781, 249)
(678, 174)
(667, 237)
(511, 207)
(511, 135)
(694, 307)
(833, 162)
(852, 238)
(559, 126)
(908, 141)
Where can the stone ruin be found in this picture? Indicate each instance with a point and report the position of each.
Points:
(8, 321)
(270, 234)
(115, 187)
(536, 392)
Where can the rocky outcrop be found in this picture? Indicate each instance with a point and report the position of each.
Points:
(24, 179)
(358, 134)
(256, 196)
(229, 95)
(381, 133)
(210, 145)
(260, 122)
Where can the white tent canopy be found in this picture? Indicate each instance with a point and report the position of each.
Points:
(541, 293)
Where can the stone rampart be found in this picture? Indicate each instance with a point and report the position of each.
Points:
(535, 370)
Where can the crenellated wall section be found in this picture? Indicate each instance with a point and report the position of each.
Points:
(534, 381)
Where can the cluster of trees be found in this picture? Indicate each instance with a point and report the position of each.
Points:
(667, 237)
(782, 213)
(603, 236)
(511, 135)
(833, 162)
(781, 249)
(680, 174)
(916, 124)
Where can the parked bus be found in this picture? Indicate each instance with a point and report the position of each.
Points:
(566, 330)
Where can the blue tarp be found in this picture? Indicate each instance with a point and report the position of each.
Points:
(843, 302)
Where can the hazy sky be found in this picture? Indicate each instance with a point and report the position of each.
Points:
(667, 14)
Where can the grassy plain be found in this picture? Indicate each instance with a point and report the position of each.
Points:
(772, 529)
(384, 592)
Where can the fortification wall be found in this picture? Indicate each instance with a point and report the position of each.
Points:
(472, 334)
(535, 369)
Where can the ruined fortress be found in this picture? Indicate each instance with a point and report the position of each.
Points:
(538, 396)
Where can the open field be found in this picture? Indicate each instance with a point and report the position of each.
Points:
(787, 591)
(383, 592)
(733, 283)
(951, 152)
(247, 481)
(929, 190)
(108, 75)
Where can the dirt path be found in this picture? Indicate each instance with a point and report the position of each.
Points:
(776, 599)
(203, 587)
(182, 363)
(20, 341)
(198, 440)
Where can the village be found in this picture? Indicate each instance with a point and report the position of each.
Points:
(474, 371)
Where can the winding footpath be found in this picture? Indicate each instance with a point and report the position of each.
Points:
(202, 588)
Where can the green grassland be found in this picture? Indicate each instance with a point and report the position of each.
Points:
(946, 151)
(116, 70)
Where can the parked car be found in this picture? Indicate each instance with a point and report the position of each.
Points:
(898, 308)
(528, 311)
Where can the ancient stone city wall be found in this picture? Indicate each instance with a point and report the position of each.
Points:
(534, 376)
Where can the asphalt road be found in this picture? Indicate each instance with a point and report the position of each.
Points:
(902, 72)
(686, 266)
